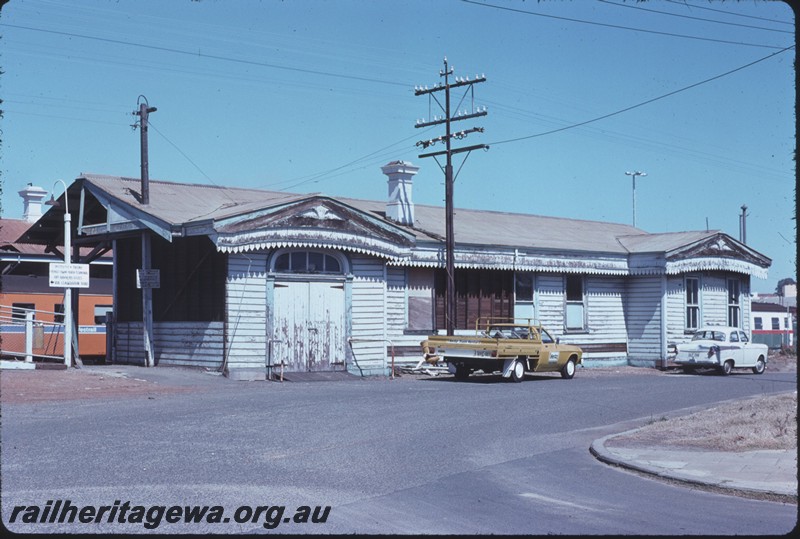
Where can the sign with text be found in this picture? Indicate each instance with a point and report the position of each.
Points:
(69, 275)
(148, 278)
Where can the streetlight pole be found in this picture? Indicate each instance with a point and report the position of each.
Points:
(633, 175)
(67, 260)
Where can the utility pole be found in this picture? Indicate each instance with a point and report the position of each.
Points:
(147, 290)
(472, 112)
(143, 112)
(743, 225)
(634, 174)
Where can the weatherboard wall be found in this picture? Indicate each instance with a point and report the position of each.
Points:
(368, 314)
(605, 335)
(246, 344)
(197, 344)
(676, 329)
(643, 317)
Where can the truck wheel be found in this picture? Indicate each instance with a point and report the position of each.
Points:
(726, 367)
(518, 371)
(568, 370)
(462, 372)
(760, 366)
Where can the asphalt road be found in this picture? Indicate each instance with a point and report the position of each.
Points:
(400, 456)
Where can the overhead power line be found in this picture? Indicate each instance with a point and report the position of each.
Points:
(643, 103)
(694, 6)
(695, 18)
(316, 177)
(195, 165)
(619, 27)
(206, 55)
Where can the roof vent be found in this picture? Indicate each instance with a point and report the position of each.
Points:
(32, 197)
(399, 207)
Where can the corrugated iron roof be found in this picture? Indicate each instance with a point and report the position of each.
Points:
(10, 231)
(482, 227)
(13, 229)
(663, 242)
(182, 203)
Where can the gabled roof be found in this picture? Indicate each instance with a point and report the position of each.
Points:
(10, 232)
(179, 203)
(315, 221)
(482, 227)
(663, 242)
(11, 249)
(182, 203)
(245, 219)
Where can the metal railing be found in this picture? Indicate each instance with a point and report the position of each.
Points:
(23, 333)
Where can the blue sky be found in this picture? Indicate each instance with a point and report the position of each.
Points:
(314, 96)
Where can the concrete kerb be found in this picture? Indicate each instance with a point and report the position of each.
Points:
(784, 491)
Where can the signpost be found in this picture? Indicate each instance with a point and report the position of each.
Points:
(63, 275)
(148, 278)
(67, 275)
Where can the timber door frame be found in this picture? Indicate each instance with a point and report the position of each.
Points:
(345, 279)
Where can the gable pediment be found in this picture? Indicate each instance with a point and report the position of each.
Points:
(719, 252)
(718, 246)
(315, 221)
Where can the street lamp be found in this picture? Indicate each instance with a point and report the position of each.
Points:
(633, 175)
(67, 260)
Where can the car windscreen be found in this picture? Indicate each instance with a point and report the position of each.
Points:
(509, 332)
(709, 335)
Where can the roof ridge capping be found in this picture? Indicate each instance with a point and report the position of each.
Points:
(92, 176)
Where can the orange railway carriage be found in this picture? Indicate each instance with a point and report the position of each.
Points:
(20, 293)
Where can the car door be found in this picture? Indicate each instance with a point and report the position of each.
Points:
(548, 356)
(749, 352)
(736, 352)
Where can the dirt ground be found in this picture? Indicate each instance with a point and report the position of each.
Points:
(18, 386)
(768, 422)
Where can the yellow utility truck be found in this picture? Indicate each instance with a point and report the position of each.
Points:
(512, 347)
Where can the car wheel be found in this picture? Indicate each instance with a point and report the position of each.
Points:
(726, 367)
(518, 371)
(760, 366)
(462, 372)
(568, 370)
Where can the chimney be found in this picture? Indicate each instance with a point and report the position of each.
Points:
(32, 197)
(399, 207)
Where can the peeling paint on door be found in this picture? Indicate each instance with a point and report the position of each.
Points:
(309, 320)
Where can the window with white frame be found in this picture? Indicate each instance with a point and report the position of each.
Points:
(734, 289)
(575, 315)
(776, 323)
(523, 295)
(692, 303)
(420, 297)
(759, 322)
(307, 262)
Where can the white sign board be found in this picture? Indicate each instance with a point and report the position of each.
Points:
(69, 275)
(148, 278)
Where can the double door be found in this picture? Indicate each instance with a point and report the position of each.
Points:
(309, 330)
